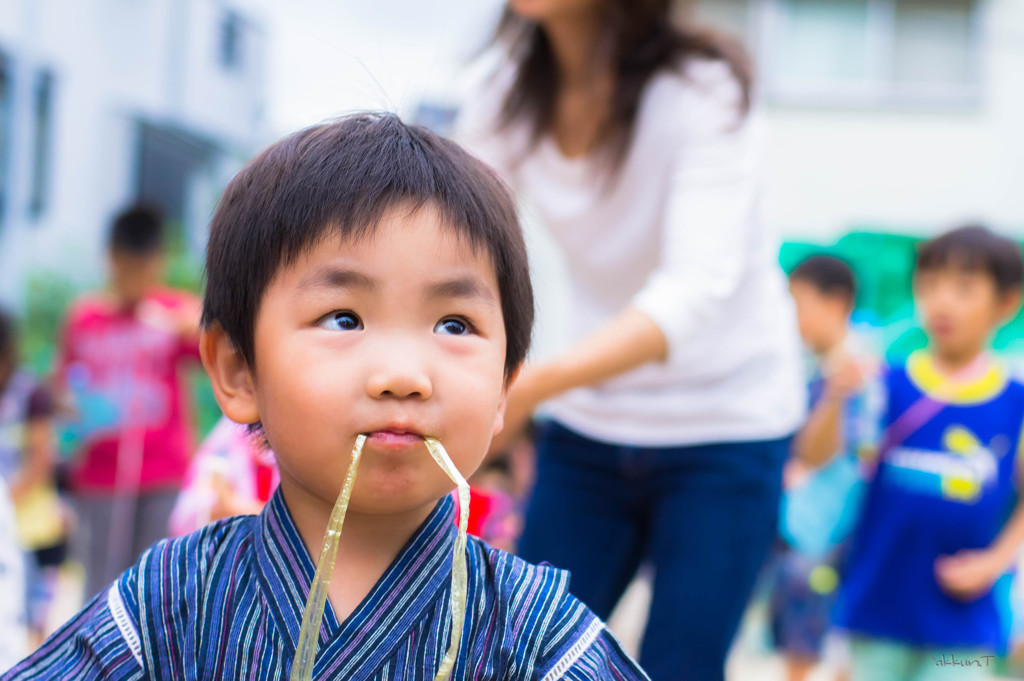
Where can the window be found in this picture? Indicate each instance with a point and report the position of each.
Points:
(231, 28)
(932, 42)
(872, 51)
(168, 163)
(824, 42)
(42, 133)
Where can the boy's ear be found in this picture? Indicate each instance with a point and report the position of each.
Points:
(229, 373)
(499, 417)
(1009, 305)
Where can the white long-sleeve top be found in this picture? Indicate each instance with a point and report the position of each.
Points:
(676, 233)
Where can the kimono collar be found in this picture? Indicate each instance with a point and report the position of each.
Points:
(415, 579)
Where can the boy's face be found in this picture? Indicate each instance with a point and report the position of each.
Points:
(398, 335)
(822, 318)
(960, 309)
(133, 275)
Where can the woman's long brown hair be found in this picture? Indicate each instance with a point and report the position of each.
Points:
(639, 38)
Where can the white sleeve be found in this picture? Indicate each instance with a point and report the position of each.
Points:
(711, 206)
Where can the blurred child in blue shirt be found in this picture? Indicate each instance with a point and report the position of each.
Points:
(940, 521)
(818, 507)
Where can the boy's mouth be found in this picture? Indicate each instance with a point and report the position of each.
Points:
(942, 327)
(395, 437)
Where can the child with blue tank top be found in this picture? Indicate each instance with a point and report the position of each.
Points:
(940, 521)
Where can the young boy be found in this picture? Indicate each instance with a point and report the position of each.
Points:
(120, 363)
(817, 505)
(364, 277)
(939, 525)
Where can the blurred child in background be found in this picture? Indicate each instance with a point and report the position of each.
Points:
(119, 363)
(494, 514)
(233, 473)
(498, 492)
(26, 468)
(819, 506)
(938, 525)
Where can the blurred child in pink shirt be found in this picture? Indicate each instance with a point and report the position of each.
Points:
(120, 363)
(233, 473)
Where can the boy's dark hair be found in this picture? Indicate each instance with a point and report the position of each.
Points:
(829, 275)
(975, 248)
(339, 180)
(138, 230)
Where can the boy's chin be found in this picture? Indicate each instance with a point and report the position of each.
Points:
(394, 506)
(954, 349)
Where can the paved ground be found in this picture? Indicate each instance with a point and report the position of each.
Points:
(744, 665)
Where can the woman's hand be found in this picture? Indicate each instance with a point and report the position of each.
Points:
(624, 342)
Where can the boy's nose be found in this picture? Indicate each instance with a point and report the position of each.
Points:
(399, 379)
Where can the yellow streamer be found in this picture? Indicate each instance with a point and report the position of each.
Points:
(312, 616)
(459, 576)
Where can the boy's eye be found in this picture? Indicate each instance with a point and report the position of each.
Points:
(455, 327)
(341, 321)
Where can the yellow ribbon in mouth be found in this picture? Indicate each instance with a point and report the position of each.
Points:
(459, 572)
(312, 616)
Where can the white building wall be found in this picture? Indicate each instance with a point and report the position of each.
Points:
(216, 98)
(116, 63)
(916, 170)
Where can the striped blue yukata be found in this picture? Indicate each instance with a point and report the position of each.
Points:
(226, 603)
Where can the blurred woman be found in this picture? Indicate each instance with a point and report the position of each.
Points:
(670, 416)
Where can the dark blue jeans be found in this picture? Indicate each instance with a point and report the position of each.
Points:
(704, 516)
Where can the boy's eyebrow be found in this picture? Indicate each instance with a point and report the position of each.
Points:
(460, 287)
(336, 277)
(339, 278)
